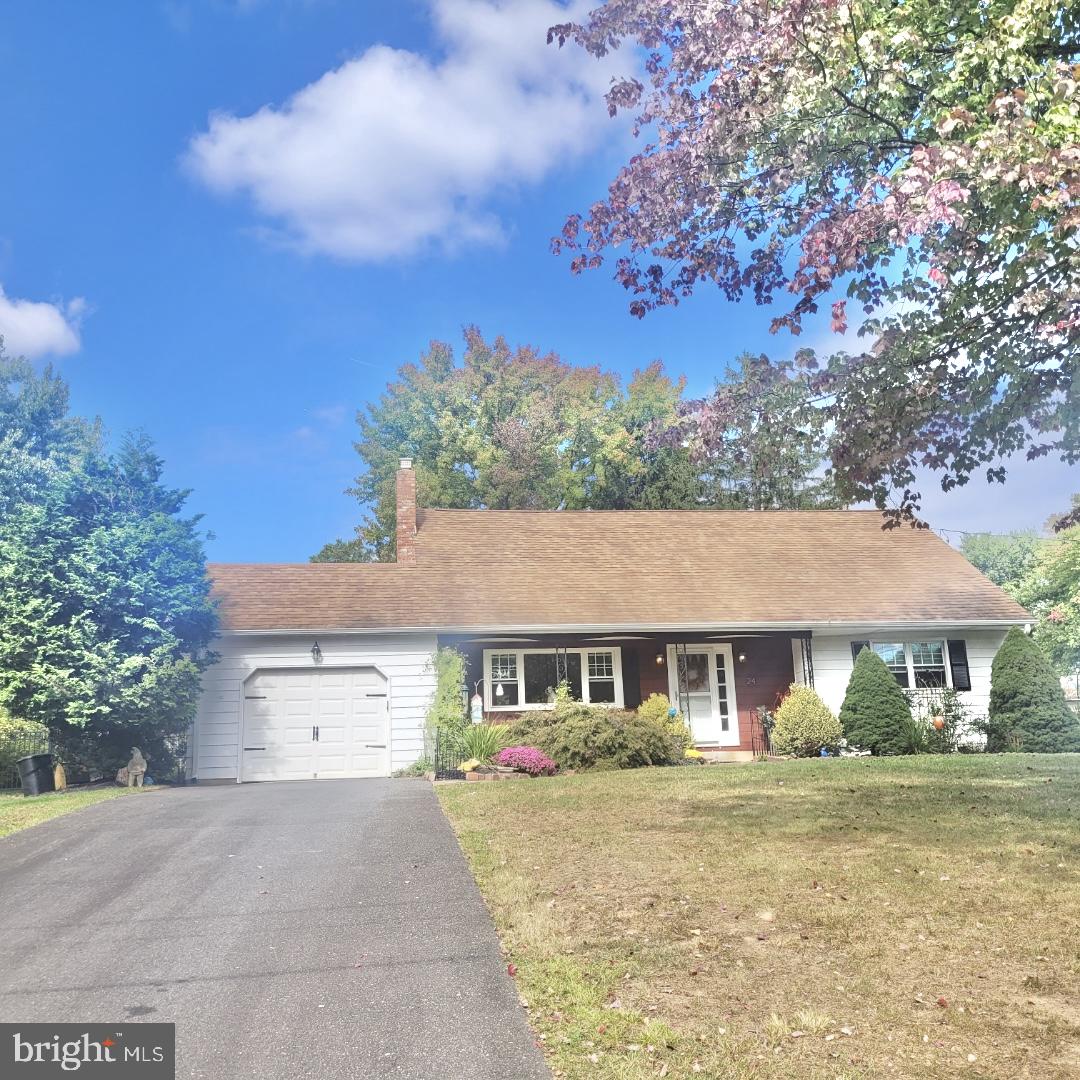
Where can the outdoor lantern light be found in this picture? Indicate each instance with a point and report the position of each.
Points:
(742, 658)
(316, 652)
(660, 659)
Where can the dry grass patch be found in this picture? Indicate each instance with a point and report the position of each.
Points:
(859, 918)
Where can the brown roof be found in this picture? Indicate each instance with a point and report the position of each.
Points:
(488, 569)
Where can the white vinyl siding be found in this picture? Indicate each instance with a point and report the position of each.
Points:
(833, 661)
(404, 659)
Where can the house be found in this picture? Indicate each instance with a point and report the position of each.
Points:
(325, 670)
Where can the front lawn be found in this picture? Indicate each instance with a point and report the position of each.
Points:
(18, 812)
(858, 918)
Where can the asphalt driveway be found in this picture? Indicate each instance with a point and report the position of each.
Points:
(323, 929)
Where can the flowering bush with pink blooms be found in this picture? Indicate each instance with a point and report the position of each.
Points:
(526, 759)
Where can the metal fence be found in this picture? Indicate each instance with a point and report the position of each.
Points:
(13, 747)
(442, 752)
(761, 725)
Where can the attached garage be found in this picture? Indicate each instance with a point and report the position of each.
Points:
(271, 711)
(316, 724)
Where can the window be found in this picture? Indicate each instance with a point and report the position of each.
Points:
(602, 677)
(527, 678)
(928, 665)
(503, 668)
(895, 660)
(918, 665)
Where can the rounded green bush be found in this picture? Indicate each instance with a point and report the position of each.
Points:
(578, 736)
(804, 724)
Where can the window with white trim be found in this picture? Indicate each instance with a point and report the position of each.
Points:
(520, 679)
(918, 665)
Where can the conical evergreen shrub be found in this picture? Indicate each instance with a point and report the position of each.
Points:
(875, 709)
(1027, 705)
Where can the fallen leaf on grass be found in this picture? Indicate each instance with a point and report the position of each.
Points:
(511, 970)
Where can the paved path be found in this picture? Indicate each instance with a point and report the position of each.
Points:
(321, 929)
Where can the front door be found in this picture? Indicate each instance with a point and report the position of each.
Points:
(702, 685)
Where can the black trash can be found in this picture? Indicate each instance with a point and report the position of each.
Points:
(36, 774)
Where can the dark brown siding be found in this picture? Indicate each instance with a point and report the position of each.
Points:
(760, 680)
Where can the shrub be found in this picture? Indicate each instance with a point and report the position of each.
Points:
(578, 736)
(526, 759)
(804, 724)
(482, 741)
(1027, 705)
(447, 709)
(875, 712)
(658, 709)
(942, 706)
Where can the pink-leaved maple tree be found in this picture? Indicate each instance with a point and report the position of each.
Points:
(911, 168)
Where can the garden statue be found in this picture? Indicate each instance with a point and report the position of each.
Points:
(136, 768)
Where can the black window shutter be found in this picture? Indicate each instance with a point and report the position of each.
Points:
(857, 647)
(631, 677)
(958, 661)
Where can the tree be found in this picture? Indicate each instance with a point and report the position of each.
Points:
(513, 429)
(875, 712)
(1050, 590)
(1004, 559)
(756, 438)
(105, 614)
(920, 161)
(1027, 705)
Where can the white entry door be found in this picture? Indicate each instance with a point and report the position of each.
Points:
(315, 725)
(702, 684)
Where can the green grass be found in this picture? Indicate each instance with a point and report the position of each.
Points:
(19, 812)
(858, 918)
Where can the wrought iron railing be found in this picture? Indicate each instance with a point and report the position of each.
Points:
(761, 725)
(443, 753)
(18, 746)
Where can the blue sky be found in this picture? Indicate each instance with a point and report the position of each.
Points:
(238, 283)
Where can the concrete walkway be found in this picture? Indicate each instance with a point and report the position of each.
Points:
(319, 929)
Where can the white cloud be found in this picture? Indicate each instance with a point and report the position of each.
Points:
(393, 152)
(33, 328)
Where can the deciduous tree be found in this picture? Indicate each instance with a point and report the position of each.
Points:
(514, 429)
(918, 162)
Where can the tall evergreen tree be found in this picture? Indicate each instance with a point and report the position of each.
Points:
(105, 613)
(875, 710)
(1027, 705)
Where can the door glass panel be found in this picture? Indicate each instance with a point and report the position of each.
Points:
(699, 709)
(694, 673)
(721, 684)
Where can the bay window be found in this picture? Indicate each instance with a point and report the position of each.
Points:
(520, 679)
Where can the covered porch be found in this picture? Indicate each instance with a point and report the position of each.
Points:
(720, 681)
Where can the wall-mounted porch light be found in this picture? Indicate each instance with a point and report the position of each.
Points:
(316, 653)
(742, 658)
(659, 659)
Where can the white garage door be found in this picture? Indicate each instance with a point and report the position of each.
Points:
(315, 725)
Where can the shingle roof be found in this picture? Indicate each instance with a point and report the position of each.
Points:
(486, 569)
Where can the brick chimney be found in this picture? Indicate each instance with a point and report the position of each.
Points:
(406, 513)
